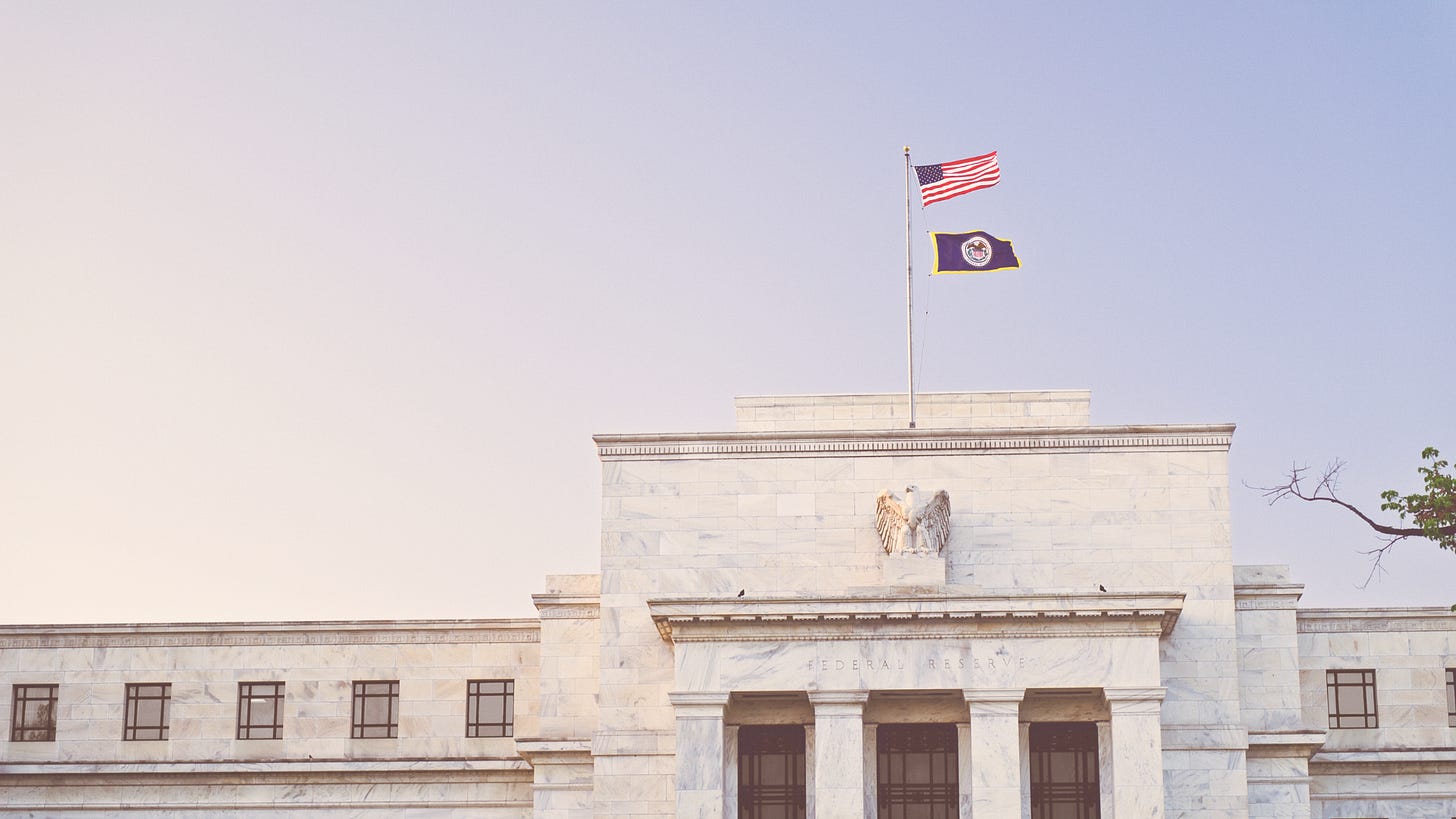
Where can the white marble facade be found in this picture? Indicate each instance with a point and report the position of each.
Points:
(1088, 580)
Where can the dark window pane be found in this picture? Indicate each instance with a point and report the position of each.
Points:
(33, 713)
(147, 711)
(376, 709)
(490, 708)
(1351, 698)
(260, 710)
(1451, 696)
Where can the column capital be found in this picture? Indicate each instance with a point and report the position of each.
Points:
(993, 694)
(994, 701)
(818, 698)
(708, 704)
(1134, 700)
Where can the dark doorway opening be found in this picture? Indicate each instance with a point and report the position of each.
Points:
(771, 772)
(918, 772)
(1064, 771)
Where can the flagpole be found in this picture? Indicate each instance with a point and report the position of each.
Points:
(909, 295)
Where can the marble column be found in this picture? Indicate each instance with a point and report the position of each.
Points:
(1135, 731)
(839, 780)
(995, 786)
(700, 749)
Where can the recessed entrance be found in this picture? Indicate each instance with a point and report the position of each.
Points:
(1064, 771)
(918, 772)
(771, 772)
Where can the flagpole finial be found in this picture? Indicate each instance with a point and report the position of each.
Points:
(907, 150)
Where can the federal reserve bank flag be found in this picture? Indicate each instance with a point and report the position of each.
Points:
(974, 252)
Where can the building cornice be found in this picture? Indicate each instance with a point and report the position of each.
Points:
(845, 443)
(1264, 596)
(329, 632)
(708, 619)
(1321, 621)
(568, 606)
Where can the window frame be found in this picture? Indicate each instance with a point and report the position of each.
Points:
(475, 727)
(1451, 697)
(249, 728)
(1341, 720)
(21, 699)
(135, 697)
(363, 693)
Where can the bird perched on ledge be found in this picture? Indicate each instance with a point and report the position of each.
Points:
(910, 527)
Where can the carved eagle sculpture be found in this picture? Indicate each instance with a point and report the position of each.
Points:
(910, 527)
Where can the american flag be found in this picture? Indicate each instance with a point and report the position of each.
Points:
(951, 179)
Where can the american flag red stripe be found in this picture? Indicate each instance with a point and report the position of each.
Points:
(951, 179)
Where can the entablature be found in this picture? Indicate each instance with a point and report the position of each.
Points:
(888, 617)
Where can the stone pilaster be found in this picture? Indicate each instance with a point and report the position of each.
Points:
(700, 749)
(871, 769)
(839, 779)
(995, 783)
(1136, 756)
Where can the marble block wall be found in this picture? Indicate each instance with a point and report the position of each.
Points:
(933, 410)
(1407, 766)
(317, 662)
(556, 738)
(570, 652)
(774, 512)
(1280, 739)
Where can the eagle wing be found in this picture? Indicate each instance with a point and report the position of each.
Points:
(935, 522)
(890, 520)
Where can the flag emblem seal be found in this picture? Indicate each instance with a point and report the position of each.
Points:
(977, 251)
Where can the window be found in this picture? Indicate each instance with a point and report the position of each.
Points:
(376, 709)
(1451, 697)
(918, 774)
(1351, 696)
(1064, 771)
(771, 772)
(260, 710)
(33, 713)
(490, 708)
(148, 706)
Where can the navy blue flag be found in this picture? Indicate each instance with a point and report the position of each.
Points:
(974, 252)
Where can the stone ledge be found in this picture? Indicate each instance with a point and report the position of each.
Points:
(1422, 755)
(251, 767)
(370, 805)
(1300, 744)
(540, 751)
(322, 632)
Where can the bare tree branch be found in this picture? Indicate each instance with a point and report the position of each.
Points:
(1324, 491)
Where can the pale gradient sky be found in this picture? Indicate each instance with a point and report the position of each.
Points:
(309, 310)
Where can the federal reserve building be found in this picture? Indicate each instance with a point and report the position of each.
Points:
(1003, 612)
